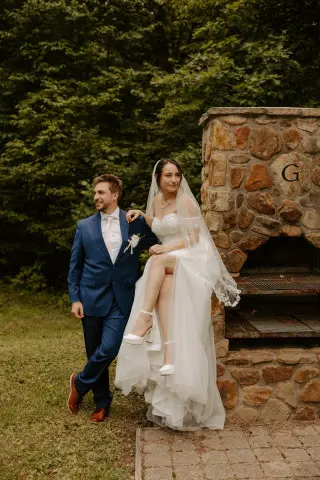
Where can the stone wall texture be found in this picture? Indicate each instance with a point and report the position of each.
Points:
(246, 200)
(247, 152)
(266, 385)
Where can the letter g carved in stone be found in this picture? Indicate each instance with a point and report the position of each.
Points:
(295, 175)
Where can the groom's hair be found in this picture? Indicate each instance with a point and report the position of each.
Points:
(115, 183)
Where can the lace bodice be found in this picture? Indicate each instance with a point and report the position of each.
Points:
(167, 228)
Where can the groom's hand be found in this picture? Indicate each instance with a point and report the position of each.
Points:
(77, 310)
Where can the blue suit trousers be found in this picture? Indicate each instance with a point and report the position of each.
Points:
(103, 336)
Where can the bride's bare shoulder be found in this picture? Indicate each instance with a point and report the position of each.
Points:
(156, 200)
(189, 205)
(189, 202)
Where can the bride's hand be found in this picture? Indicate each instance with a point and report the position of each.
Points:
(158, 249)
(132, 215)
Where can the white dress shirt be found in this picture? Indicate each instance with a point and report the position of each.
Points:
(110, 226)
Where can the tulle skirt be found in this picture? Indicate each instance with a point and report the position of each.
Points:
(188, 399)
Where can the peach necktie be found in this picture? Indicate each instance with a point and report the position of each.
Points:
(106, 230)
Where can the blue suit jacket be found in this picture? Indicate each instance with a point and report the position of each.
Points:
(93, 279)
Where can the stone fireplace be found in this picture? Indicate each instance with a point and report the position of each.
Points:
(261, 201)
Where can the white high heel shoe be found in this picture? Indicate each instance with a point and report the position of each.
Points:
(168, 368)
(136, 339)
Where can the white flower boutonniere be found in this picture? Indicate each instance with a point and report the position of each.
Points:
(133, 242)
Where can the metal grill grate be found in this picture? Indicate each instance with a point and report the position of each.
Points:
(285, 281)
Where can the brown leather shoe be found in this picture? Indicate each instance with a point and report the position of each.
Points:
(99, 415)
(74, 399)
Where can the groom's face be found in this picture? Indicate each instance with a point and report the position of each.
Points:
(103, 197)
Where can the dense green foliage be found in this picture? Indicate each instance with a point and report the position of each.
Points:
(89, 87)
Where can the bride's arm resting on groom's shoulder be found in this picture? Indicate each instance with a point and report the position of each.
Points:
(132, 215)
(191, 236)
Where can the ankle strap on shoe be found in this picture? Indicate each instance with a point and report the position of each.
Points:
(148, 313)
(166, 343)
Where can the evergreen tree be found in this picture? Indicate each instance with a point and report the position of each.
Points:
(88, 87)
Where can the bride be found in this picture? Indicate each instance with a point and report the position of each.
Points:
(168, 349)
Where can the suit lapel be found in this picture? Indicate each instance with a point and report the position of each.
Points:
(124, 227)
(98, 234)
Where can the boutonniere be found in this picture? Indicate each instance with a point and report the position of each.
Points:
(133, 242)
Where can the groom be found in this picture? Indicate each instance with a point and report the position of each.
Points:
(102, 277)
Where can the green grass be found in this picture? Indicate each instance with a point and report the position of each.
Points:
(41, 345)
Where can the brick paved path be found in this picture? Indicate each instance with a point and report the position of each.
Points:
(287, 451)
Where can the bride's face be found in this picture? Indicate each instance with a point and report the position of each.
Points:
(170, 179)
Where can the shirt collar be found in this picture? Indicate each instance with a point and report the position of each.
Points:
(114, 214)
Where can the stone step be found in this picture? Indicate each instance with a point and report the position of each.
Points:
(282, 451)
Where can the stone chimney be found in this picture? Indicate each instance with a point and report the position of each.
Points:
(261, 190)
(261, 177)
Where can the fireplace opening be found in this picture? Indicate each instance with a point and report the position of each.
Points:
(283, 254)
(280, 284)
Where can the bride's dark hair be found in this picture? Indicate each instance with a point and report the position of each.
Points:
(162, 163)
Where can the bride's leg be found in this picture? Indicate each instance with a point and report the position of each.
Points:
(163, 306)
(156, 276)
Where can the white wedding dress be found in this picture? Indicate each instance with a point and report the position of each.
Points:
(188, 399)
